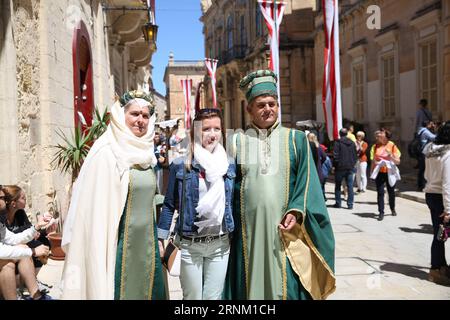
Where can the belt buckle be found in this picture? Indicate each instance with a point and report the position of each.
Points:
(208, 239)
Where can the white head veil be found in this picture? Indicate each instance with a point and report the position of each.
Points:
(128, 148)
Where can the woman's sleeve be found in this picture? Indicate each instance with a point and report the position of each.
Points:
(170, 203)
(446, 183)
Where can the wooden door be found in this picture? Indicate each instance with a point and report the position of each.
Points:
(82, 77)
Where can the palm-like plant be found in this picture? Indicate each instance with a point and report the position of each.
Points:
(100, 123)
(70, 156)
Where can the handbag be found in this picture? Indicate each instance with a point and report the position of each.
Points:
(171, 259)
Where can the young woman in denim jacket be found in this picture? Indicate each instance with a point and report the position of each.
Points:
(207, 221)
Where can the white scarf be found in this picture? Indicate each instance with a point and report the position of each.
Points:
(129, 149)
(212, 205)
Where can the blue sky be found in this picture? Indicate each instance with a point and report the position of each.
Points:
(180, 31)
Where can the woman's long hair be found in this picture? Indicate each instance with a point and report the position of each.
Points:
(196, 131)
(443, 134)
(12, 193)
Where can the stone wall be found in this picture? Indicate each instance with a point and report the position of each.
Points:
(25, 21)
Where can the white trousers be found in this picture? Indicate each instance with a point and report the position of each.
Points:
(361, 175)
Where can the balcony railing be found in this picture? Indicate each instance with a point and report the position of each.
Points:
(236, 52)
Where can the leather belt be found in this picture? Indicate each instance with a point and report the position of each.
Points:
(205, 239)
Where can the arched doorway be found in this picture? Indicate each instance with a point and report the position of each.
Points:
(83, 86)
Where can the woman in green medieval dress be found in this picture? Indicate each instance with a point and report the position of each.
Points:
(110, 231)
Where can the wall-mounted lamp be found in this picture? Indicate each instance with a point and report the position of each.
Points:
(150, 32)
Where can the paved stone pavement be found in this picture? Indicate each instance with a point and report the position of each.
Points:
(375, 260)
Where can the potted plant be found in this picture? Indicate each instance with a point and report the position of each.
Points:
(69, 158)
(55, 237)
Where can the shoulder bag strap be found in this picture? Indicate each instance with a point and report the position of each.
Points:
(180, 214)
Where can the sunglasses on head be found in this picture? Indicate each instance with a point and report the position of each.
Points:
(208, 111)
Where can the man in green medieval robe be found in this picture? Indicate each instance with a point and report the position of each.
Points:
(283, 243)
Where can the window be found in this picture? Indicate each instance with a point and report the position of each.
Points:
(210, 44)
(243, 122)
(388, 86)
(428, 74)
(230, 32)
(258, 21)
(219, 47)
(243, 32)
(358, 91)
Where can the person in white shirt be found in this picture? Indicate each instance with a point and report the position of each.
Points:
(437, 196)
(12, 252)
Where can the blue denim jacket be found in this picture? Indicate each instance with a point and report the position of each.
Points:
(173, 196)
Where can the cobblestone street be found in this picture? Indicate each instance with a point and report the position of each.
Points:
(386, 259)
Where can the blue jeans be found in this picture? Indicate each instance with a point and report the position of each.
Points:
(203, 268)
(349, 176)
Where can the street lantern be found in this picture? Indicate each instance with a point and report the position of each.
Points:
(150, 32)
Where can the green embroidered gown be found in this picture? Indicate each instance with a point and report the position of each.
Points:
(274, 176)
(139, 274)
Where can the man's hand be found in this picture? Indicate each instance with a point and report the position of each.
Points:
(288, 222)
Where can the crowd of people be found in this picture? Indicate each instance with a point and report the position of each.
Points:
(351, 155)
(251, 220)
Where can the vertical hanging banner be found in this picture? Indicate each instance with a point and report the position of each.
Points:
(151, 5)
(331, 90)
(273, 15)
(211, 65)
(186, 84)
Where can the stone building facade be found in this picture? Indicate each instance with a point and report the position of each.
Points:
(160, 106)
(386, 71)
(236, 35)
(59, 59)
(177, 70)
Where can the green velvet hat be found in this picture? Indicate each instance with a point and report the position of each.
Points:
(258, 83)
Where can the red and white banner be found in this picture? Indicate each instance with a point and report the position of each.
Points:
(211, 65)
(331, 90)
(273, 15)
(151, 5)
(186, 84)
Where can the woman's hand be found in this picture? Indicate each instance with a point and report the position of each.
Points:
(161, 247)
(41, 251)
(45, 221)
(445, 217)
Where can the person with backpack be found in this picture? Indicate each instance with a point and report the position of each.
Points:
(425, 136)
(423, 114)
(344, 162)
